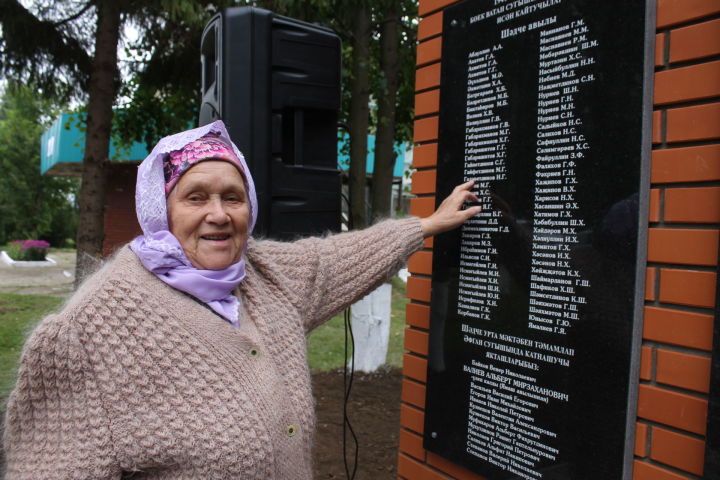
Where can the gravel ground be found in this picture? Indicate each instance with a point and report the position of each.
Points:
(56, 281)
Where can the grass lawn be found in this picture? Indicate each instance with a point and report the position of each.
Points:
(18, 315)
(61, 250)
(326, 343)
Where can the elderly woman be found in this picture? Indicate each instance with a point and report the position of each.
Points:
(185, 356)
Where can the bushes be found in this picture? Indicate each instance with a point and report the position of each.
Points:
(28, 250)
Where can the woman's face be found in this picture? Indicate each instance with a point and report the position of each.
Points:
(208, 212)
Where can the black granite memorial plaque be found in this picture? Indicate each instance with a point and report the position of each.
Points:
(712, 438)
(536, 302)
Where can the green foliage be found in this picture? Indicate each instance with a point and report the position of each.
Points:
(407, 10)
(326, 344)
(396, 343)
(162, 94)
(18, 315)
(31, 205)
(13, 250)
(45, 43)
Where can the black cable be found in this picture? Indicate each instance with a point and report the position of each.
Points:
(347, 387)
(347, 382)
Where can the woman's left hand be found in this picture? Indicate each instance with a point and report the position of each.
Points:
(449, 214)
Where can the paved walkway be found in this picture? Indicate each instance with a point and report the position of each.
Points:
(56, 281)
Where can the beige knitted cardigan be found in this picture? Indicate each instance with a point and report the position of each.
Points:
(134, 376)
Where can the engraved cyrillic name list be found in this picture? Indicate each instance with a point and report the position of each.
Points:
(514, 315)
(486, 138)
(505, 397)
(556, 289)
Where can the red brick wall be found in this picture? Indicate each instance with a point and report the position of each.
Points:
(121, 224)
(682, 246)
(682, 243)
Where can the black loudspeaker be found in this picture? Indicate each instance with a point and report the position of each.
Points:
(275, 82)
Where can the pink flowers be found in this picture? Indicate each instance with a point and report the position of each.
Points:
(28, 249)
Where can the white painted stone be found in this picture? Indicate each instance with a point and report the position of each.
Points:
(5, 258)
(403, 274)
(370, 319)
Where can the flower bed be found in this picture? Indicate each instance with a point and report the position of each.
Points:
(28, 253)
(28, 250)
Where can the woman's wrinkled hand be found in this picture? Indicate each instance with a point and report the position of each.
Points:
(450, 214)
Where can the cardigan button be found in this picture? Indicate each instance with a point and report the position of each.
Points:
(254, 352)
(291, 430)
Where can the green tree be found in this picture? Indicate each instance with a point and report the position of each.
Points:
(394, 90)
(48, 45)
(31, 205)
(379, 39)
(359, 120)
(162, 94)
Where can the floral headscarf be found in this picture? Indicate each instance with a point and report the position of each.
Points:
(208, 147)
(159, 250)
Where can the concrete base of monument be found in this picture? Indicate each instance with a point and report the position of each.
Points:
(370, 318)
(5, 258)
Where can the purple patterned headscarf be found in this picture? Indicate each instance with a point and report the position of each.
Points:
(208, 147)
(158, 249)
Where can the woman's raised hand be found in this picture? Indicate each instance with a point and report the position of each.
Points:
(449, 214)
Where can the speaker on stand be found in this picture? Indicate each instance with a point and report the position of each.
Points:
(275, 82)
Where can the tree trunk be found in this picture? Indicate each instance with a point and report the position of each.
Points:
(101, 94)
(387, 97)
(359, 113)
